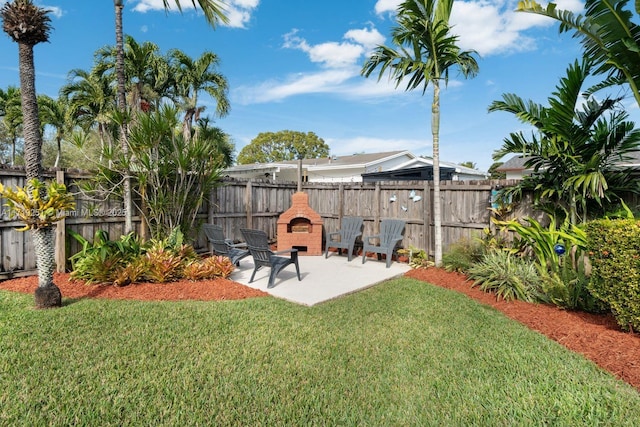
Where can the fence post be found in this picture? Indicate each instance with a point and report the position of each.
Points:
(376, 212)
(248, 203)
(427, 217)
(340, 203)
(61, 243)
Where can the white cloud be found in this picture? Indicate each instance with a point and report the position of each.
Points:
(237, 11)
(491, 26)
(386, 6)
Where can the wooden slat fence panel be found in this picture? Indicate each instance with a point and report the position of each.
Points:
(259, 203)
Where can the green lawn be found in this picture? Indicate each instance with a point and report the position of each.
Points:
(401, 353)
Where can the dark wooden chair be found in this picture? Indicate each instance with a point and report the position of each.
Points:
(390, 235)
(263, 256)
(345, 238)
(224, 247)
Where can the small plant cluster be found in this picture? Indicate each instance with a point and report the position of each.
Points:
(129, 260)
(418, 258)
(541, 264)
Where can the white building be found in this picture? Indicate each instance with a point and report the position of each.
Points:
(351, 168)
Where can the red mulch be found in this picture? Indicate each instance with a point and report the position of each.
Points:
(203, 290)
(597, 337)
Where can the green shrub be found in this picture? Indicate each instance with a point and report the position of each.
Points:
(102, 260)
(462, 255)
(209, 268)
(418, 258)
(568, 286)
(508, 275)
(614, 251)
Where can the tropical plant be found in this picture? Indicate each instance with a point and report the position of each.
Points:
(27, 25)
(11, 112)
(574, 152)
(463, 254)
(213, 12)
(543, 242)
(189, 78)
(283, 145)
(174, 175)
(91, 100)
(55, 113)
(38, 205)
(425, 51)
(107, 261)
(508, 275)
(209, 268)
(418, 258)
(611, 41)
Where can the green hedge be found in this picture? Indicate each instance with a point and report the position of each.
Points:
(614, 251)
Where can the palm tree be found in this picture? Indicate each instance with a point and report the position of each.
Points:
(190, 78)
(426, 50)
(55, 113)
(213, 13)
(573, 152)
(91, 100)
(609, 37)
(11, 112)
(29, 25)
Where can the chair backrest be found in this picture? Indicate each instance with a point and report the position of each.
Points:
(351, 226)
(258, 244)
(390, 231)
(215, 235)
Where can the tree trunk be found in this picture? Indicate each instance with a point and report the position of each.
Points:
(437, 210)
(30, 118)
(122, 106)
(47, 295)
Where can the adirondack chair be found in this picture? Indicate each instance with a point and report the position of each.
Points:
(390, 234)
(263, 256)
(345, 238)
(224, 247)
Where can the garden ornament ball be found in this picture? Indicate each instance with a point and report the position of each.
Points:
(559, 249)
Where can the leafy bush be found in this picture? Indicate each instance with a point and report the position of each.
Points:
(462, 255)
(103, 260)
(568, 287)
(614, 251)
(418, 258)
(508, 275)
(209, 268)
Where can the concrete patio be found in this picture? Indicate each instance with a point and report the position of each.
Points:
(322, 279)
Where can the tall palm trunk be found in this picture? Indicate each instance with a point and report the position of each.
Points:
(30, 118)
(122, 106)
(437, 209)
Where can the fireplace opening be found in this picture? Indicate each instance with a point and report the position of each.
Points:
(300, 248)
(299, 225)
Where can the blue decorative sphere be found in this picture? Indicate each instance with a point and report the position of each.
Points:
(559, 249)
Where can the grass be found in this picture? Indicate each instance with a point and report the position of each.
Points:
(402, 353)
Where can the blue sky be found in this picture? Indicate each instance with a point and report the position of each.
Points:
(296, 66)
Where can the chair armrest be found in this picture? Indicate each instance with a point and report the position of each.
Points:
(334, 234)
(238, 245)
(285, 251)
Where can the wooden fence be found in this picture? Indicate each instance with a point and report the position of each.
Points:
(259, 203)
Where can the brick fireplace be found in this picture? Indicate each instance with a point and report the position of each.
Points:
(300, 227)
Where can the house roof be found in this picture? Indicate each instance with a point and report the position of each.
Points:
(517, 163)
(355, 161)
(514, 164)
(422, 161)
